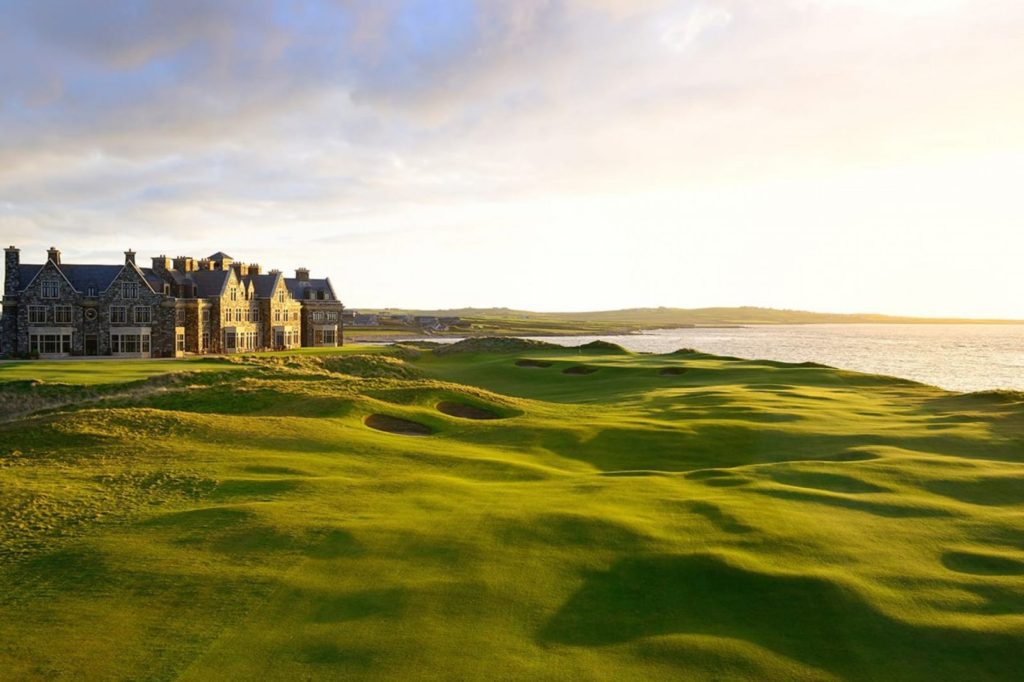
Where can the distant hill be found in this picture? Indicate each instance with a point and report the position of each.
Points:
(650, 318)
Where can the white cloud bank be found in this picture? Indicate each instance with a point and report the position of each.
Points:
(824, 154)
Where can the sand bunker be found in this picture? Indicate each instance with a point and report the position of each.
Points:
(672, 371)
(579, 369)
(403, 427)
(532, 363)
(466, 411)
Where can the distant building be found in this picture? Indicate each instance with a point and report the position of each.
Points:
(366, 320)
(177, 306)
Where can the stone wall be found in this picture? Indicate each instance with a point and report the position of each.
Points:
(33, 297)
(162, 316)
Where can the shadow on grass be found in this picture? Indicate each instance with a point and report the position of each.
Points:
(808, 619)
(884, 509)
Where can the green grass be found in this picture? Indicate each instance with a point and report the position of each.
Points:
(735, 520)
(92, 372)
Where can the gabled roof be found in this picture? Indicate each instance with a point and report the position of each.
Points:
(265, 284)
(220, 255)
(298, 287)
(156, 282)
(28, 273)
(80, 277)
(84, 276)
(210, 283)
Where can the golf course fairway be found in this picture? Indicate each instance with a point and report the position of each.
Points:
(507, 510)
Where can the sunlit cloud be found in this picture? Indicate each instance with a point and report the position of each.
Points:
(722, 146)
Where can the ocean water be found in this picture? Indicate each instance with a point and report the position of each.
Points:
(958, 357)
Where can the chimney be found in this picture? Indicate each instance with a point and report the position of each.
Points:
(53, 254)
(161, 264)
(12, 273)
(184, 264)
(129, 257)
(302, 274)
(205, 264)
(254, 268)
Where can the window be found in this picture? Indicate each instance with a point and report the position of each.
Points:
(295, 316)
(129, 289)
(328, 339)
(280, 296)
(167, 289)
(50, 289)
(331, 317)
(229, 340)
(277, 316)
(318, 316)
(206, 316)
(238, 314)
(179, 317)
(62, 314)
(234, 294)
(143, 314)
(50, 344)
(255, 314)
(91, 291)
(179, 342)
(129, 343)
(118, 314)
(36, 314)
(206, 341)
(227, 315)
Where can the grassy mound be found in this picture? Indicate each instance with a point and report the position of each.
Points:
(370, 366)
(605, 347)
(741, 520)
(494, 344)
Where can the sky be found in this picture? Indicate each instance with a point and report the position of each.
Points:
(831, 155)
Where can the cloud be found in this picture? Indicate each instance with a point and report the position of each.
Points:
(192, 121)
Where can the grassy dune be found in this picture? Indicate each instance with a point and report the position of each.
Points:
(513, 513)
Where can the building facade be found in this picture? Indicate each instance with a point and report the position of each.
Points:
(174, 307)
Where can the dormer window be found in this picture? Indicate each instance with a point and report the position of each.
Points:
(50, 289)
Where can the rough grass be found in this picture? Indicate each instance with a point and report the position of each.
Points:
(730, 520)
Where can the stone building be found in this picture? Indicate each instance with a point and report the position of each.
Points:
(177, 306)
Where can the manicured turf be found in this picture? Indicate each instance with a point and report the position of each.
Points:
(730, 519)
(102, 371)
